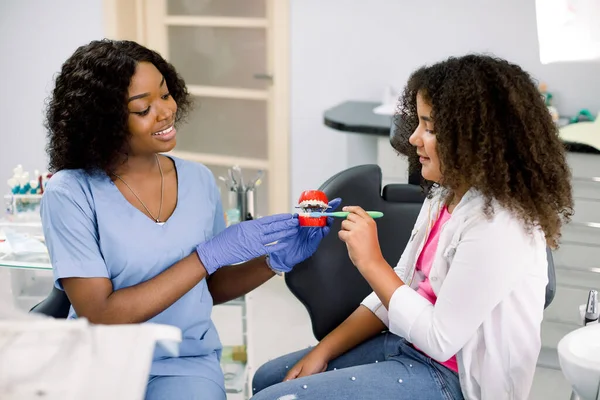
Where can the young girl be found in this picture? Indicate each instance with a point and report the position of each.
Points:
(462, 309)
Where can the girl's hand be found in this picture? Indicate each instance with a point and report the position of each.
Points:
(312, 363)
(359, 232)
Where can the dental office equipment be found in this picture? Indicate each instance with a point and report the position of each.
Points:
(25, 192)
(579, 378)
(226, 182)
(241, 197)
(34, 186)
(23, 180)
(44, 180)
(343, 214)
(250, 206)
(14, 186)
(312, 201)
(591, 310)
(23, 183)
(314, 205)
(257, 180)
(238, 170)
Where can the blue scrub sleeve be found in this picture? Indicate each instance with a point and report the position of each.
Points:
(71, 235)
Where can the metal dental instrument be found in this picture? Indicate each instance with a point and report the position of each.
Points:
(226, 182)
(233, 181)
(256, 181)
(237, 169)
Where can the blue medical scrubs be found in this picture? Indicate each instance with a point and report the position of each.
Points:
(92, 231)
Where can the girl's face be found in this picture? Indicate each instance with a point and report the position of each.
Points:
(425, 141)
(151, 112)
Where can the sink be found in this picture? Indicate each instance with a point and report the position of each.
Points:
(579, 356)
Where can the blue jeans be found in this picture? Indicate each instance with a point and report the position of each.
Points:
(183, 388)
(384, 367)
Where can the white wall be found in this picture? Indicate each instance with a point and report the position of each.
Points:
(36, 37)
(351, 49)
(340, 50)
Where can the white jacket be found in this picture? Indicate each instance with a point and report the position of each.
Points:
(489, 276)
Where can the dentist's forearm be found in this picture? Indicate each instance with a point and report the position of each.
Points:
(233, 281)
(94, 298)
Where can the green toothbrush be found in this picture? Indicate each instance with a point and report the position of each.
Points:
(343, 214)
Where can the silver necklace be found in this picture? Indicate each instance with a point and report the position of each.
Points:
(162, 181)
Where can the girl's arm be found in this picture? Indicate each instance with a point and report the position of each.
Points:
(361, 325)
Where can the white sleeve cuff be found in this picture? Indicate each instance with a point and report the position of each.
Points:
(373, 303)
(406, 305)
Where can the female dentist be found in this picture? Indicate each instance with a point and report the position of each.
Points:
(136, 236)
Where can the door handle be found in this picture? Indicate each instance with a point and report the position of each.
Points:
(264, 76)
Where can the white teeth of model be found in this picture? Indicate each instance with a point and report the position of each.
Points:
(165, 131)
(313, 203)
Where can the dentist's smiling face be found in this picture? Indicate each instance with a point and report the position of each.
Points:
(151, 112)
(425, 140)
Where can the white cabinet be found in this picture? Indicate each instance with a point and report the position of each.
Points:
(577, 264)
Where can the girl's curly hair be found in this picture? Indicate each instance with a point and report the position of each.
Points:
(494, 134)
(87, 113)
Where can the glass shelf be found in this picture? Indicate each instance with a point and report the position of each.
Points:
(22, 243)
(33, 261)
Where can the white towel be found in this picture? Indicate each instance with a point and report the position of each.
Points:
(53, 359)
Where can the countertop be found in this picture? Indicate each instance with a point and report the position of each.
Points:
(358, 117)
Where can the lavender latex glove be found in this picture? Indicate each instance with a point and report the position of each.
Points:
(302, 245)
(247, 240)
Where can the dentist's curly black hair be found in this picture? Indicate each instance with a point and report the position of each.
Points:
(495, 134)
(86, 115)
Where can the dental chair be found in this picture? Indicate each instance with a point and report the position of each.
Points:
(328, 284)
(56, 305)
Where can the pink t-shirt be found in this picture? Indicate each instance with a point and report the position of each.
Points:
(423, 266)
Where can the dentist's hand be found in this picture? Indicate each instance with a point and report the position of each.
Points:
(247, 240)
(301, 246)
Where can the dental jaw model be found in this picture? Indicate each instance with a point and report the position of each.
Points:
(312, 201)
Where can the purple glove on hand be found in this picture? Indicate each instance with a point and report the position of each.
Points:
(302, 245)
(247, 240)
